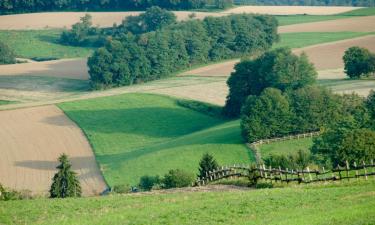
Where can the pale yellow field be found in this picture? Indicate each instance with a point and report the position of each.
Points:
(31, 141)
(292, 10)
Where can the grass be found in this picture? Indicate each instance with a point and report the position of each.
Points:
(6, 102)
(360, 12)
(303, 39)
(340, 203)
(141, 134)
(41, 43)
(285, 147)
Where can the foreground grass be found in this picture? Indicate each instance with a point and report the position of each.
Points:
(303, 39)
(41, 43)
(323, 204)
(285, 147)
(141, 134)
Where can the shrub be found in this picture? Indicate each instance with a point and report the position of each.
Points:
(7, 56)
(146, 183)
(278, 68)
(65, 183)
(359, 62)
(207, 164)
(8, 195)
(122, 189)
(177, 179)
(299, 160)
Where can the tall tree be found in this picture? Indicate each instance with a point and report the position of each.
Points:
(359, 62)
(65, 183)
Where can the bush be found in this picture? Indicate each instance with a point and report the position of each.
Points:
(299, 160)
(7, 56)
(8, 195)
(278, 68)
(359, 62)
(177, 179)
(122, 189)
(146, 183)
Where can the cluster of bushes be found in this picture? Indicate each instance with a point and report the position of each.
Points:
(132, 58)
(359, 62)
(299, 160)
(366, 3)
(173, 179)
(7, 56)
(21, 6)
(8, 195)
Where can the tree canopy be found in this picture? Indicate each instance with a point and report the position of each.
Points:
(359, 62)
(278, 68)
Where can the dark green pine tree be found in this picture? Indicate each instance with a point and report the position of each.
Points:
(65, 183)
(207, 163)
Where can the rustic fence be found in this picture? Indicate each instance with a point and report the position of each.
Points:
(260, 172)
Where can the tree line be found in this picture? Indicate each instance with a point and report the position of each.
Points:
(366, 3)
(22, 6)
(142, 51)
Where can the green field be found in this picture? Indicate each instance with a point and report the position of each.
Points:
(5, 102)
(141, 134)
(285, 147)
(342, 203)
(41, 43)
(303, 39)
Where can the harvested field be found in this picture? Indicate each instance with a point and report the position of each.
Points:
(356, 24)
(292, 10)
(64, 68)
(219, 69)
(31, 141)
(66, 19)
(329, 55)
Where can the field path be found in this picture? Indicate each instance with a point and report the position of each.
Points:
(31, 141)
(355, 24)
(107, 19)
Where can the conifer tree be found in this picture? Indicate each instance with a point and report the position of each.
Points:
(65, 183)
(207, 163)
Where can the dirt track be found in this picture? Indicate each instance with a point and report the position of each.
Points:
(66, 68)
(31, 141)
(356, 24)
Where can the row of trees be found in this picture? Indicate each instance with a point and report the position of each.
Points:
(129, 58)
(367, 3)
(21, 6)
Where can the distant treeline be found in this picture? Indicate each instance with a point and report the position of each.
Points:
(21, 6)
(366, 3)
(129, 58)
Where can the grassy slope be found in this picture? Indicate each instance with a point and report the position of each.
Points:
(5, 102)
(285, 147)
(140, 134)
(41, 43)
(333, 204)
(299, 40)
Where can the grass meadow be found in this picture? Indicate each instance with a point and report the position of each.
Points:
(338, 203)
(142, 134)
(285, 147)
(41, 44)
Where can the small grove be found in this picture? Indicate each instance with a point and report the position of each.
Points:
(276, 95)
(135, 54)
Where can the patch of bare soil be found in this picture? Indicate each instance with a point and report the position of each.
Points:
(31, 141)
(355, 24)
(64, 68)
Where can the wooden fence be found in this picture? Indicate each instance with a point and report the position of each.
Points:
(260, 172)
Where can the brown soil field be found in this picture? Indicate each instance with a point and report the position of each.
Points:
(355, 24)
(31, 141)
(66, 19)
(329, 55)
(107, 19)
(64, 68)
(292, 10)
(324, 56)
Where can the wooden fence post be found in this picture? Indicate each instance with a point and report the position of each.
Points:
(347, 170)
(286, 175)
(310, 177)
(356, 171)
(364, 167)
(264, 170)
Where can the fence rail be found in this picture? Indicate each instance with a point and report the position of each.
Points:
(260, 172)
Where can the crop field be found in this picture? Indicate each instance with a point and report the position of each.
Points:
(41, 43)
(31, 141)
(128, 130)
(345, 203)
